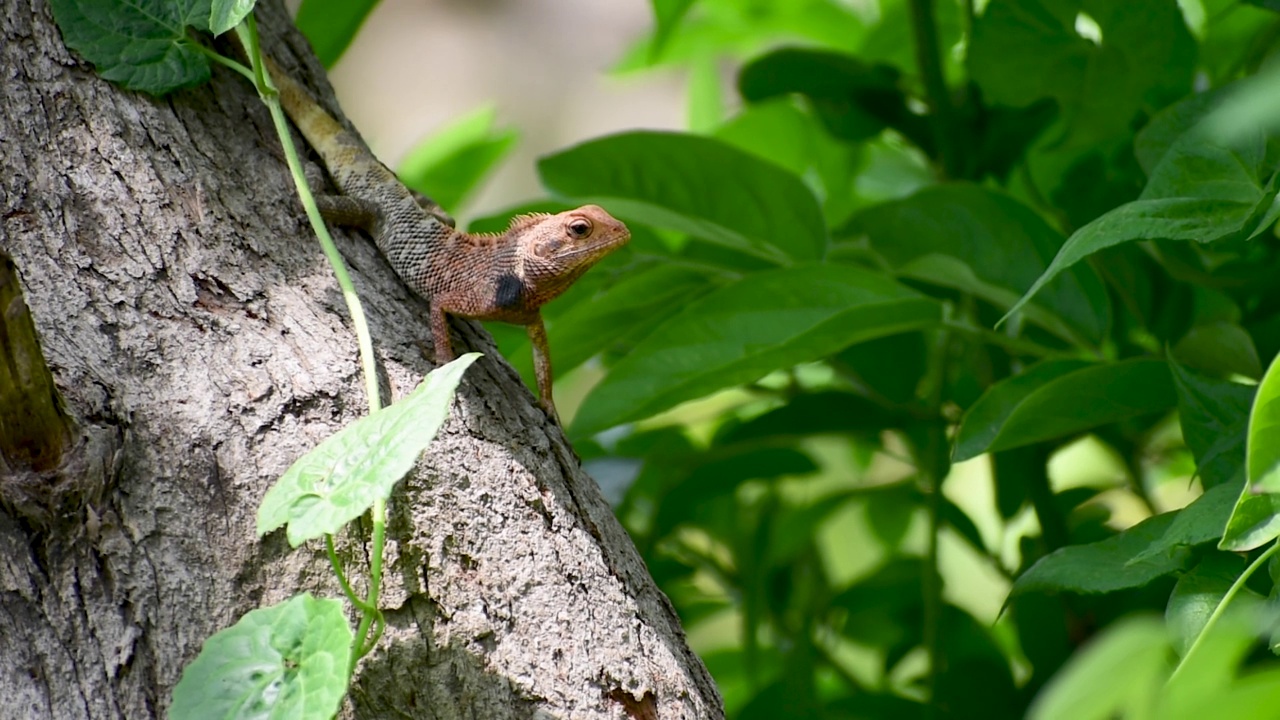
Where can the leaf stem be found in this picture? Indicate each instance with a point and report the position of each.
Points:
(379, 513)
(336, 562)
(221, 59)
(1222, 605)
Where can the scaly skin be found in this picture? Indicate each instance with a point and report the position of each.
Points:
(505, 276)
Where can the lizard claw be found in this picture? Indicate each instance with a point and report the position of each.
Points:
(550, 409)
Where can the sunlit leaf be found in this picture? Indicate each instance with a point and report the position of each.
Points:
(341, 478)
(1119, 671)
(667, 15)
(1256, 519)
(285, 661)
(449, 166)
(1263, 455)
(226, 14)
(331, 25)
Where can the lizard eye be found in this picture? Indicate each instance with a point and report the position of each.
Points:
(580, 228)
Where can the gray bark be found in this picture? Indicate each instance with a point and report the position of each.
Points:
(195, 333)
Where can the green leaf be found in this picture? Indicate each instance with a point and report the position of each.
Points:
(779, 132)
(1220, 348)
(696, 185)
(1256, 519)
(892, 365)
(285, 661)
(1197, 594)
(1263, 455)
(1200, 522)
(1107, 565)
(1059, 398)
(1200, 191)
(450, 165)
(330, 25)
(341, 477)
(854, 100)
(1246, 106)
(1254, 522)
(226, 14)
(667, 15)
(1116, 675)
(1214, 416)
(1024, 50)
(623, 314)
(140, 44)
(1251, 697)
(1171, 123)
(741, 332)
(1000, 245)
(1206, 677)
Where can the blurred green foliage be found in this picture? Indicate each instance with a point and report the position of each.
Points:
(929, 340)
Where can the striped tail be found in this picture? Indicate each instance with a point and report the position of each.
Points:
(336, 145)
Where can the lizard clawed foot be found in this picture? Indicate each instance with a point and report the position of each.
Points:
(550, 408)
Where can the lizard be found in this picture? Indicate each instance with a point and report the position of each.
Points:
(504, 276)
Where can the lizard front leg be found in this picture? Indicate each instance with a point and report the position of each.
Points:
(440, 334)
(542, 365)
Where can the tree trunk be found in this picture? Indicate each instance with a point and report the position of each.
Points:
(200, 345)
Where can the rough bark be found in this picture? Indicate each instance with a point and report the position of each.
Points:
(199, 341)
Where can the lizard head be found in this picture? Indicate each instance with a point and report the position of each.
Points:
(573, 237)
(557, 249)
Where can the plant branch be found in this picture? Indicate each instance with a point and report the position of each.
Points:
(924, 29)
(933, 463)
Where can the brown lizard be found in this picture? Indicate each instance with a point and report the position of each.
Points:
(505, 276)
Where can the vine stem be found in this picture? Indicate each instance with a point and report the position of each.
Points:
(271, 98)
(247, 31)
(1222, 606)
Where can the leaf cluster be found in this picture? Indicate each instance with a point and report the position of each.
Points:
(904, 394)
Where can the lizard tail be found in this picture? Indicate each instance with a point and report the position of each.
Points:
(322, 131)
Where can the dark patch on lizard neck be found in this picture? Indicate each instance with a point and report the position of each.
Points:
(509, 292)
